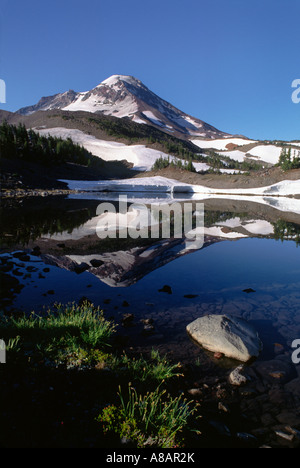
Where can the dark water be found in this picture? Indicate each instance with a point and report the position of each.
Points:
(214, 279)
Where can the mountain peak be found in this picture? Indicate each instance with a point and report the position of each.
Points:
(126, 96)
(114, 79)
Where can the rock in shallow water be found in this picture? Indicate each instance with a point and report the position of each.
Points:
(232, 336)
(237, 376)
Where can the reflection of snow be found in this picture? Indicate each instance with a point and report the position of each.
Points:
(259, 226)
(233, 222)
(143, 190)
(218, 232)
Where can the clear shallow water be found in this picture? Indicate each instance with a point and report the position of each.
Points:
(231, 265)
(215, 276)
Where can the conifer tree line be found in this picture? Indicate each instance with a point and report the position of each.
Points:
(289, 159)
(16, 142)
(164, 162)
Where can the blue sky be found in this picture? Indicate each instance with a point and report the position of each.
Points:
(230, 63)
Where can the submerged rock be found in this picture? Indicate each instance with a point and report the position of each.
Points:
(166, 289)
(81, 268)
(280, 370)
(127, 320)
(232, 336)
(237, 376)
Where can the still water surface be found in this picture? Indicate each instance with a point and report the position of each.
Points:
(255, 276)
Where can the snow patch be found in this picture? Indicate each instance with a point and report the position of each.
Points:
(112, 80)
(153, 118)
(267, 153)
(221, 144)
(140, 156)
(236, 155)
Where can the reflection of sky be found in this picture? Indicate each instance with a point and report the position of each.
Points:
(222, 268)
(216, 276)
(219, 266)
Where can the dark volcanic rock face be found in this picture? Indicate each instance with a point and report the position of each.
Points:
(58, 101)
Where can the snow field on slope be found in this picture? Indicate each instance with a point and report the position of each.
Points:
(140, 156)
(94, 104)
(267, 153)
(221, 144)
(236, 155)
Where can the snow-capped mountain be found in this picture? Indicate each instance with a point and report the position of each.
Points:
(125, 96)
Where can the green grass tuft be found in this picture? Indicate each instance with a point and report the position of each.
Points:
(66, 333)
(154, 419)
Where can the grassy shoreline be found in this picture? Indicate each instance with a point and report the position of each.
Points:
(135, 407)
(68, 383)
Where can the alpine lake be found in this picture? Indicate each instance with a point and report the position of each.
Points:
(248, 266)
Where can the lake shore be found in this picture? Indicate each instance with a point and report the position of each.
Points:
(254, 179)
(263, 411)
(19, 178)
(67, 257)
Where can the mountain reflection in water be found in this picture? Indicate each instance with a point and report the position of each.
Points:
(246, 246)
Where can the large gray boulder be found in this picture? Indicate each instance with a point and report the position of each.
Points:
(226, 334)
